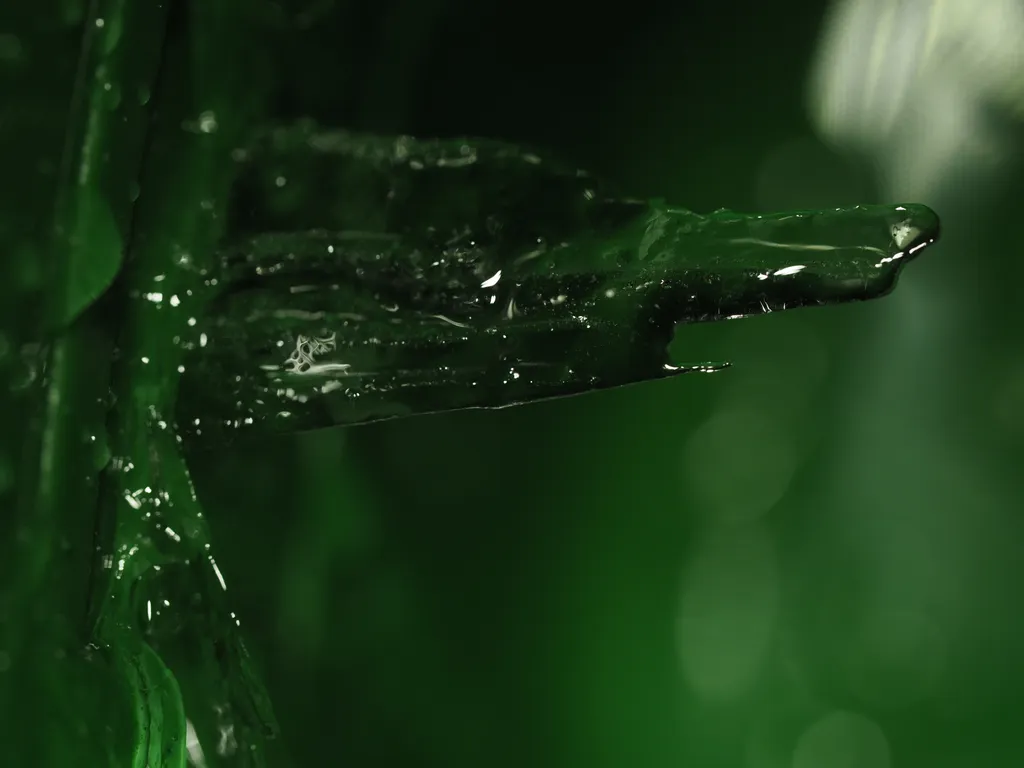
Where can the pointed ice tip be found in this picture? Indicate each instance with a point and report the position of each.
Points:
(918, 229)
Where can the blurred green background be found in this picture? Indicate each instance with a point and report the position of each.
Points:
(812, 560)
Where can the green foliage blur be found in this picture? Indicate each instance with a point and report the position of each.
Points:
(811, 560)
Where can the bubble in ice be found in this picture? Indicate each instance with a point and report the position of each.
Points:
(904, 233)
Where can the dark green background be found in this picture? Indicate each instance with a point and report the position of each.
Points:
(811, 560)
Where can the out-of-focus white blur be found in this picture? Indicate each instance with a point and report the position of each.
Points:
(928, 91)
(920, 85)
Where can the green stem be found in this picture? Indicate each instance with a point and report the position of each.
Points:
(161, 600)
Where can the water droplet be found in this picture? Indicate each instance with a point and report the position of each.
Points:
(111, 95)
(143, 95)
(29, 366)
(207, 122)
(100, 450)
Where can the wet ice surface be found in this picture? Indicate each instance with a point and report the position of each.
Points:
(394, 276)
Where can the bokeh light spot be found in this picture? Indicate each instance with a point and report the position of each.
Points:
(728, 612)
(843, 740)
(739, 463)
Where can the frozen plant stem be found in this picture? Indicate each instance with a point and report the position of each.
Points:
(159, 602)
(526, 282)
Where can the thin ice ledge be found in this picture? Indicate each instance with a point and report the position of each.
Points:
(341, 328)
(525, 284)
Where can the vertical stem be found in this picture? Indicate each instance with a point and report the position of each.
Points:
(160, 602)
